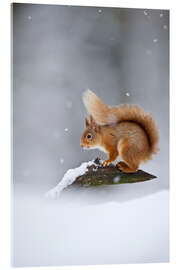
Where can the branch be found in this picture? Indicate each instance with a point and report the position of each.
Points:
(110, 175)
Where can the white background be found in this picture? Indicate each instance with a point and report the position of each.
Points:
(5, 124)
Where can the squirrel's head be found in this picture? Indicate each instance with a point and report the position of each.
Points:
(91, 136)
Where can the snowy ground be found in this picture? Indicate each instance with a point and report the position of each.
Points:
(91, 226)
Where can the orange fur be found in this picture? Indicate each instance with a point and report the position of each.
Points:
(125, 131)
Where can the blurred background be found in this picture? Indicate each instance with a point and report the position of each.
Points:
(58, 53)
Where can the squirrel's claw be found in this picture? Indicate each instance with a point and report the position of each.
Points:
(106, 163)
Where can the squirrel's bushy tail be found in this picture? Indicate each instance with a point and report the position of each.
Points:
(105, 115)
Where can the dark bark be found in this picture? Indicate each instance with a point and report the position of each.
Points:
(110, 175)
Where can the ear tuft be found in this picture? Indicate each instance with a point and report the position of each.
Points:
(86, 121)
(92, 120)
(93, 124)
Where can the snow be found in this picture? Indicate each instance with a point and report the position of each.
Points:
(69, 177)
(127, 94)
(91, 226)
(62, 160)
(155, 40)
(126, 223)
(116, 179)
(145, 13)
(66, 129)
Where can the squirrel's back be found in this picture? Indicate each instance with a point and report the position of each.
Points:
(105, 115)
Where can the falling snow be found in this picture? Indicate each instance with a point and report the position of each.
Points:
(165, 27)
(66, 129)
(145, 13)
(99, 10)
(155, 40)
(161, 15)
(61, 160)
(127, 94)
(29, 18)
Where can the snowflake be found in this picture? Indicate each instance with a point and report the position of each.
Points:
(145, 13)
(61, 160)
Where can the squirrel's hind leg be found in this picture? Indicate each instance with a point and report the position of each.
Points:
(129, 155)
(125, 168)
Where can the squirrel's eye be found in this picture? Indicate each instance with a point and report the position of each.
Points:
(88, 136)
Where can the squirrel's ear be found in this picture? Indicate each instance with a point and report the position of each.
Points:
(93, 123)
(86, 121)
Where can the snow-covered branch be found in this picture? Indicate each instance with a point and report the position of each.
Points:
(92, 173)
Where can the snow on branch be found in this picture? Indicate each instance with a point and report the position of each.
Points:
(92, 173)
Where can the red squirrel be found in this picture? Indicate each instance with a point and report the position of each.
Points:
(124, 130)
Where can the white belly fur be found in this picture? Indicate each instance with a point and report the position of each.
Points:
(99, 147)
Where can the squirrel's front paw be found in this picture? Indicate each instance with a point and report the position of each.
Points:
(106, 163)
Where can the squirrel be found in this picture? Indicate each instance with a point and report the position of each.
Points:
(126, 131)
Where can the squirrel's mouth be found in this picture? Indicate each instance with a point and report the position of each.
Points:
(84, 146)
